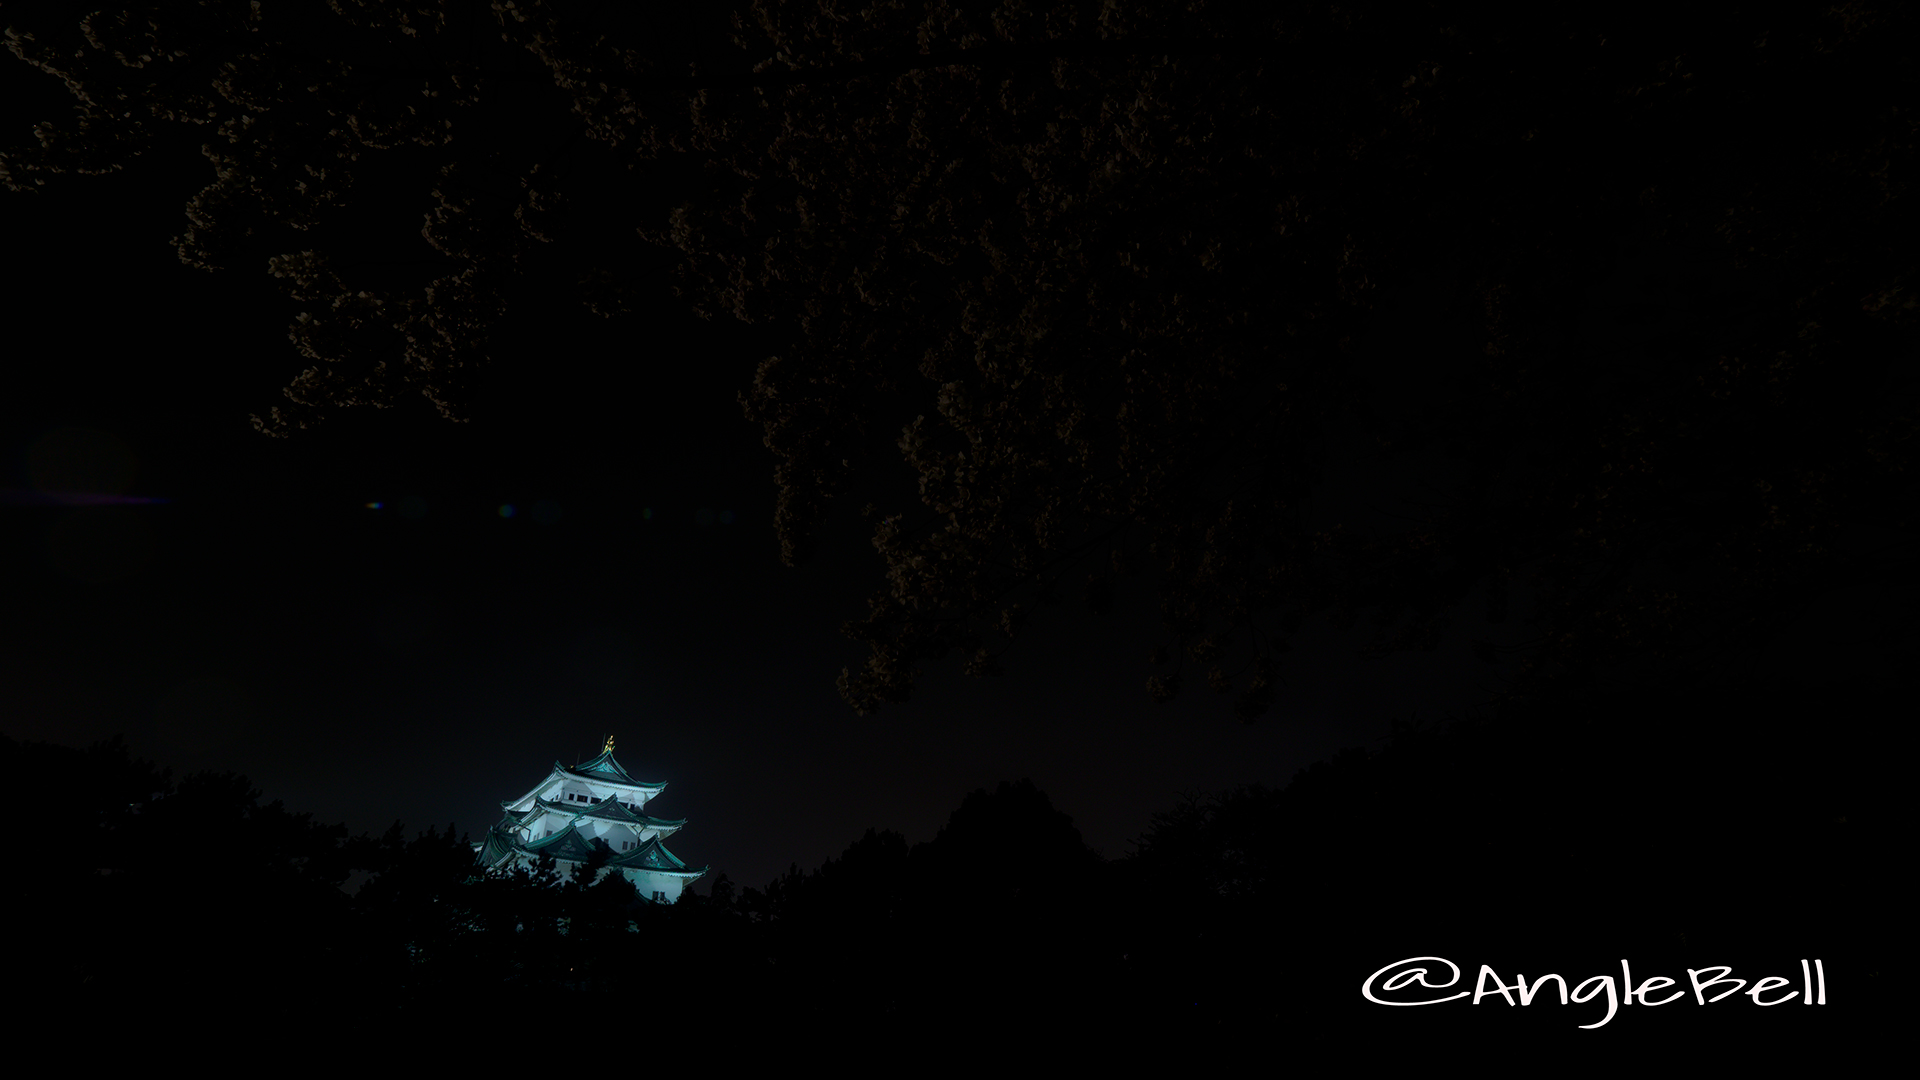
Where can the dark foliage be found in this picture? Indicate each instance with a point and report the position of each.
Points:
(1109, 279)
(1243, 918)
(189, 898)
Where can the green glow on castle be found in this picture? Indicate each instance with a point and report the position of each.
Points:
(574, 810)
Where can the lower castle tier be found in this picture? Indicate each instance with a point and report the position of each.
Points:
(591, 804)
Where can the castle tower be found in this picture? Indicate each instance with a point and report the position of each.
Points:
(593, 803)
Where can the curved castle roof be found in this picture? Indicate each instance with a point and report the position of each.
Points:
(603, 778)
(599, 799)
(573, 846)
(607, 770)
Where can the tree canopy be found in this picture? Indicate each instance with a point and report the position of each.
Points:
(1107, 279)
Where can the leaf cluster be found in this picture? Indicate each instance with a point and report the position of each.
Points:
(1105, 283)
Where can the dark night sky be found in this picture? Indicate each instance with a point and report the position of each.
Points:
(369, 666)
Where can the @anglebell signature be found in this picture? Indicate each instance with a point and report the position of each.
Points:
(1624, 992)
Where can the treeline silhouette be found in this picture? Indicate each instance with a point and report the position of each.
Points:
(188, 909)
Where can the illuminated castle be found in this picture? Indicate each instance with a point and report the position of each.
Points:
(591, 804)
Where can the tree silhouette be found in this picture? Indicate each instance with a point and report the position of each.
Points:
(1242, 918)
(192, 885)
(1107, 280)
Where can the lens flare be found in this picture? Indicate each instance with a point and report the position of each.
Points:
(74, 498)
